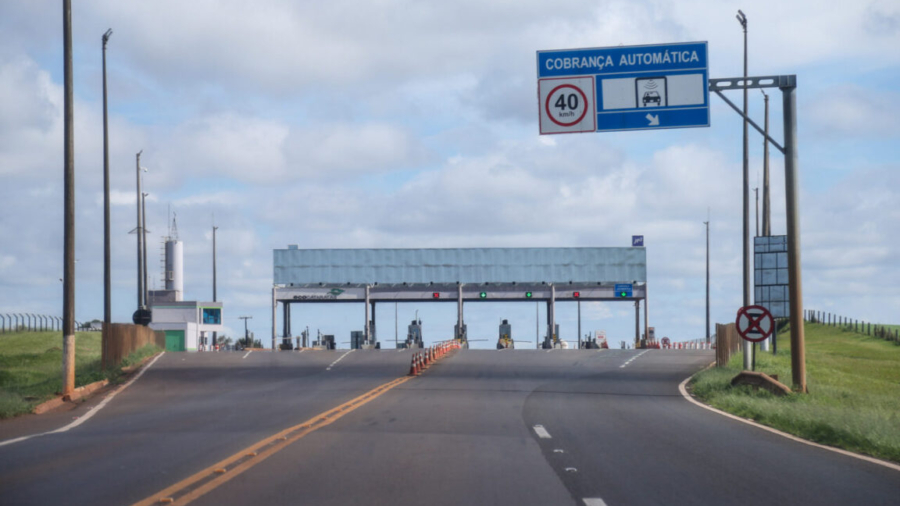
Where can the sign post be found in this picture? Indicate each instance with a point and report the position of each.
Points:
(754, 324)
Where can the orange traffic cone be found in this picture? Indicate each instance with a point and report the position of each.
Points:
(413, 370)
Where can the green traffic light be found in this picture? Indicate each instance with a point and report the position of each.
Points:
(528, 295)
(623, 294)
(483, 295)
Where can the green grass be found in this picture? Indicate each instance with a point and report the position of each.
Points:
(854, 391)
(31, 367)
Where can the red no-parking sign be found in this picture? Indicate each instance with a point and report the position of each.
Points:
(754, 323)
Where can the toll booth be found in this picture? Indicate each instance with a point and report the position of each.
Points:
(414, 335)
(325, 342)
(552, 341)
(461, 335)
(505, 340)
(356, 339)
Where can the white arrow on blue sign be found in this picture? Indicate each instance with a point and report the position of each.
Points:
(637, 240)
(625, 87)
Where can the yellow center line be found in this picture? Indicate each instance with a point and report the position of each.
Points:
(221, 472)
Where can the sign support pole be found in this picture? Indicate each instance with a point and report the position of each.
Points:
(798, 346)
(637, 323)
(274, 316)
(646, 316)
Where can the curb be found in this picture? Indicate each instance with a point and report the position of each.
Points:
(85, 390)
(690, 398)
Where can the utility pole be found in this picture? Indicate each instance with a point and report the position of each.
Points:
(107, 304)
(246, 333)
(748, 349)
(68, 365)
(767, 209)
(707, 276)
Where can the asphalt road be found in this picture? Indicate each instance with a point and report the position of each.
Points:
(480, 427)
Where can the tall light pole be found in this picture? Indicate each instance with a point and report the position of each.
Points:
(767, 209)
(756, 196)
(748, 349)
(707, 276)
(140, 235)
(144, 245)
(215, 336)
(68, 355)
(107, 276)
(214, 262)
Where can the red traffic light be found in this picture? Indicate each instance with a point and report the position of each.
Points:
(576, 294)
(436, 295)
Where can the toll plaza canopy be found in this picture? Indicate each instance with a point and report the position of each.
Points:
(310, 267)
(457, 275)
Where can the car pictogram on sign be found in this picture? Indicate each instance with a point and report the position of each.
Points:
(651, 97)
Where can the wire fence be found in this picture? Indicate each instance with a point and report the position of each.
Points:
(33, 322)
(854, 325)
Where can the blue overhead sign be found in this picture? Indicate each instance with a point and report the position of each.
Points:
(637, 241)
(624, 290)
(623, 88)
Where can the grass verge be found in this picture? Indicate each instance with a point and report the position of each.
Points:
(854, 391)
(31, 367)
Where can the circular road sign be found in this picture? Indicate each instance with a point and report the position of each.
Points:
(566, 105)
(754, 323)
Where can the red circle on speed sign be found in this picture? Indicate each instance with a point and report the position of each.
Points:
(563, 101)
(754, 323)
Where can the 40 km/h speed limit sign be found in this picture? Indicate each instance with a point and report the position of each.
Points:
(567, 105)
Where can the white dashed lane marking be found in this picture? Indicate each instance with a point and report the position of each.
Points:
(248, 353)
(339, 359)
(593, 501)
(541, 432)
(632, 359)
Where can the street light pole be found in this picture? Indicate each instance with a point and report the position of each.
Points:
(707, 278)
(756, 196)
(215, 336)
(748, 349)
(144, 245)
(767, 209)
(140, 234)
(107, 276)
(214, 262)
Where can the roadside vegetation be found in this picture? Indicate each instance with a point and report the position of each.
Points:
(31, 367)
(854, 391)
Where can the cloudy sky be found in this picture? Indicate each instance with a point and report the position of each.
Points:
(393, 123)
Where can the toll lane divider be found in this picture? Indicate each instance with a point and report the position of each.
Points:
(223, 471)
(423, 359)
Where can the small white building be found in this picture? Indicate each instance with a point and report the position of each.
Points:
(187, 324)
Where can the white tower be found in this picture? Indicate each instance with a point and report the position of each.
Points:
(175, 263)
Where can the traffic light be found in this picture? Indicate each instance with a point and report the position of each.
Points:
(576, 294)
(623, 294)
(483, 295)
(527, 295)
(436, 295)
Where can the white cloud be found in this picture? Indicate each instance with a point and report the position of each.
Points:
(851, 110)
